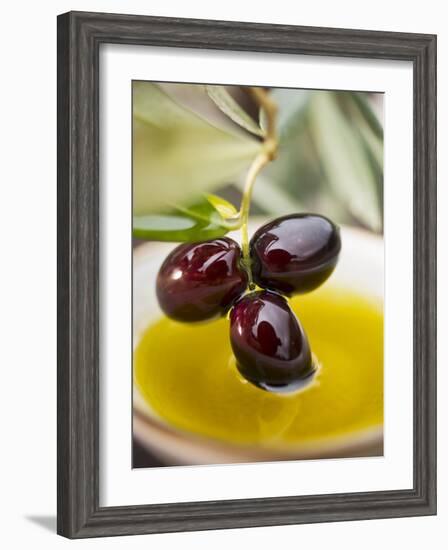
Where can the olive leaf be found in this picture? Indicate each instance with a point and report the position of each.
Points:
(197, 222)
(344, 160)
(175, 228)
(367, 113)
(225, 208)
(221, 97)
(177, 154)
(291, 106)
(368, 126)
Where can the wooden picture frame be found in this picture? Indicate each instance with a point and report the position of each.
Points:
(80, 36)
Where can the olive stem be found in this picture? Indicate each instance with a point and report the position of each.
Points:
(255, 168)
(268, 153)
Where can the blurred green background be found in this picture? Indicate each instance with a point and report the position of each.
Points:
(194, 139)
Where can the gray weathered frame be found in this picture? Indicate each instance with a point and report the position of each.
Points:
(79, 38)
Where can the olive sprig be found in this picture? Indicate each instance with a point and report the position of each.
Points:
(293, 254)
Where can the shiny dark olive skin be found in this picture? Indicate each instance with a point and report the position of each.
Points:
(200, 281)
(295, 254)
(271, 348)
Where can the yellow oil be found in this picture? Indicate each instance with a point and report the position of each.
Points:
(187, 375)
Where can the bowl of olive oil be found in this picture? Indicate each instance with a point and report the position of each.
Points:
(191, 405)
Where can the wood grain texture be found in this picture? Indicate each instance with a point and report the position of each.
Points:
(79, 38)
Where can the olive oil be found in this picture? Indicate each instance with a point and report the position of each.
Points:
(188, 376)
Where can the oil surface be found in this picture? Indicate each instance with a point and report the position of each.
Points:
(188, 376)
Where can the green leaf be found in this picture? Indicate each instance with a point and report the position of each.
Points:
(177, 154)
(197, 222)
(292, 105)
(367, 124)
(368, 114)
(344, 160)
(224, 101)
(175, 228)
(225, 208)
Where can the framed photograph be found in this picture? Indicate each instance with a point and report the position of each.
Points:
(246, 274)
